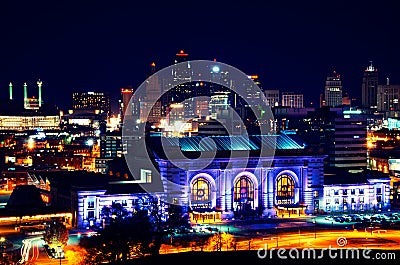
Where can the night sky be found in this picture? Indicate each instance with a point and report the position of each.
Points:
(77, 46)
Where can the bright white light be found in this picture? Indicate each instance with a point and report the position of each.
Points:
(215, 69)
(90, 142)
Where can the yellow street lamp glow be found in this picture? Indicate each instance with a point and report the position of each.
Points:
(31, 143)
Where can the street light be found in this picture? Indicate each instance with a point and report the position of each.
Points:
(59, 251)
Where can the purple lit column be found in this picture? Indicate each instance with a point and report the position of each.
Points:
(228, 213)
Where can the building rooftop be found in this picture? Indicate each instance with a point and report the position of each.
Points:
(25, 198)
(339, 176)
(231, 143)
(125, 188)
(252, 145)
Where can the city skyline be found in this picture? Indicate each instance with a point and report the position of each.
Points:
(260, 124)
(78, 48)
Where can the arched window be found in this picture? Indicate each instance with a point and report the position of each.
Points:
(244, 189)
(201, 190)
(285, 188)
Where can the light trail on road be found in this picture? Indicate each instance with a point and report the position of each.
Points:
(30, 245)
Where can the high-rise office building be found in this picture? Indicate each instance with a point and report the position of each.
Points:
(333, 90)
(253, 95)
(272, 98)
(348, 145)
(388, 97)
(126, 95)
(150, 104)
(370, 87)
(97, 102)
(182, 89)
(219, 102)
(290, 99)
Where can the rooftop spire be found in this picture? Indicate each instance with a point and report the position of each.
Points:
(371, 68)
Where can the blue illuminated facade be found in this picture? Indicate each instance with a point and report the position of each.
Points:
(289, 182)
(290, 185)
(373, 195)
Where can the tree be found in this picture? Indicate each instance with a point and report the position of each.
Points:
(221, 241)
(114, 213)
(123, 239)
(75, 255)
(56, 234)
(133, 234)
(177, 220)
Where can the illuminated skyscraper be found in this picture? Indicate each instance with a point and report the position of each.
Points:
(96, 102)
(182, 91)
(253, 96)
(151, 101)
(126, 95)
(348, 144)
(333, 90)
(219, 102)
(370, 87)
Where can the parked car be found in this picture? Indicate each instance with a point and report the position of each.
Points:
(329, 218)
(339, 219)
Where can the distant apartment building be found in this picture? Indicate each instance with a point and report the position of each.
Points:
(272, 98)
(292, 100)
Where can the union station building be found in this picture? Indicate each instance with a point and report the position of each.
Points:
(239, 181)
(228, 177)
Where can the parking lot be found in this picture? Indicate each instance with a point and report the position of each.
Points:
(361, 220)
